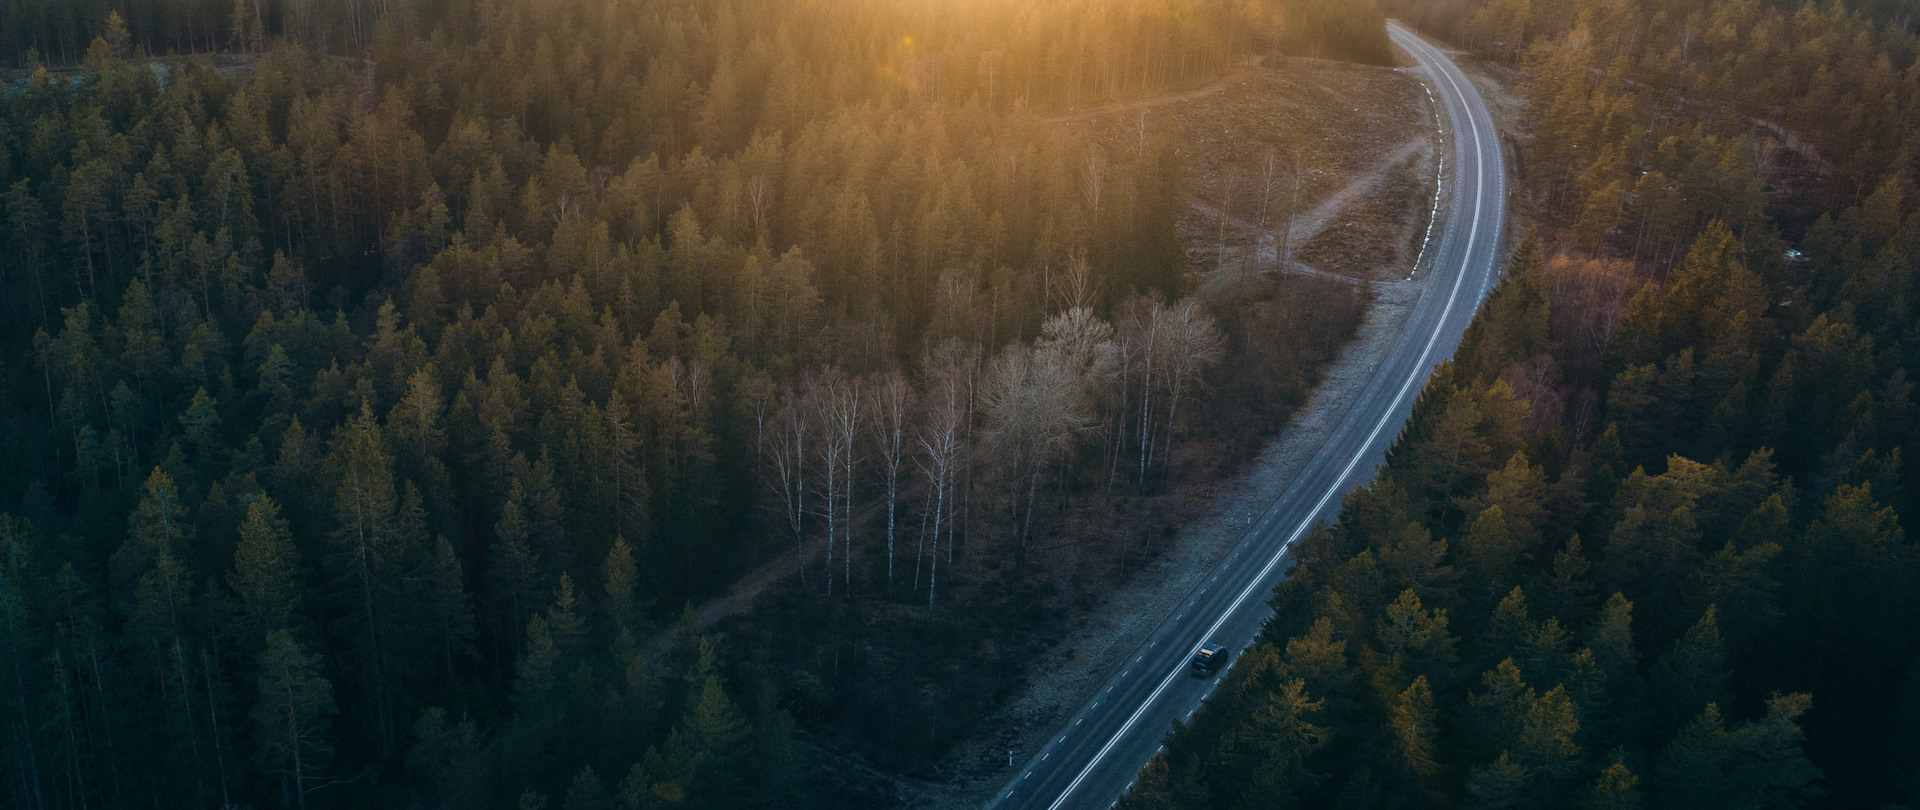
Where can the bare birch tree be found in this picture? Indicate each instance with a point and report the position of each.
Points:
(1194, 345)
(1140, 325)
(758, 391)
(1076, 287)
(1167, 349)
(1268, 179)
(760, 200)
(834, 401)
(893, 403)
(947, 371)
(1092, 183)
(1038, 401)
(939, 445)
(788, 451)
(988, 71)
(1293, 208)
(843, 419)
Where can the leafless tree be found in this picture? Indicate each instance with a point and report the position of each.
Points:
(1117, 406)
(825, 392)
(1226, 204)
(956, 308)
(1038, 401)
(759, 394)
(298, 17)
(947, 372)
(972, 399)
(1075, 288)
(1293, 209)
(1085, 344)
(893, 402)
(788, 450)
(1267, 181)
(1140, 328)
(843, 420)
(759, 198)
(1092, 183)
(1195, 345)
(988, 71)
(939, 449)
(1165, 349)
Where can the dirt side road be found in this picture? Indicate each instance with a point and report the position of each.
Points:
(1294, 162)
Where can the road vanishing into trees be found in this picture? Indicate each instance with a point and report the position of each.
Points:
(1094, 757)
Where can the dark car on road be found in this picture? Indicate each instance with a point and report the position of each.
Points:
(1209, 659)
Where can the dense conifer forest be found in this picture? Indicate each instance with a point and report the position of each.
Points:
(379, 379)
(1644, 542)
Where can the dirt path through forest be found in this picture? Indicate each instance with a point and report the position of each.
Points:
(738, 596)
(1315, 219)
(1211, 88)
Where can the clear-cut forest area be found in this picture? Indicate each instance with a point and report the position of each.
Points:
(381, 382)
(1644, 542)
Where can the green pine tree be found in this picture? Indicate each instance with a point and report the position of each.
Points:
(715, 737)
(1416, 640)
(1693, 673)
(265, 575)
(533, 674)
(292, 714)
(1548, 744)
(514, 579)
(1616, 788)
(1416, 728)
(451, 608)
(1502, 784)
(1494, 555)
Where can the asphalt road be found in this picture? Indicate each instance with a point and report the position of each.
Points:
(1094, 757)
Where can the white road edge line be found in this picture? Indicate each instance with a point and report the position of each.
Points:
(1480, 193)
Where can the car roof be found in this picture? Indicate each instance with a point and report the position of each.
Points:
(1210, 649)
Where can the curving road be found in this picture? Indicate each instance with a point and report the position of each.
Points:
(1094, 757)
